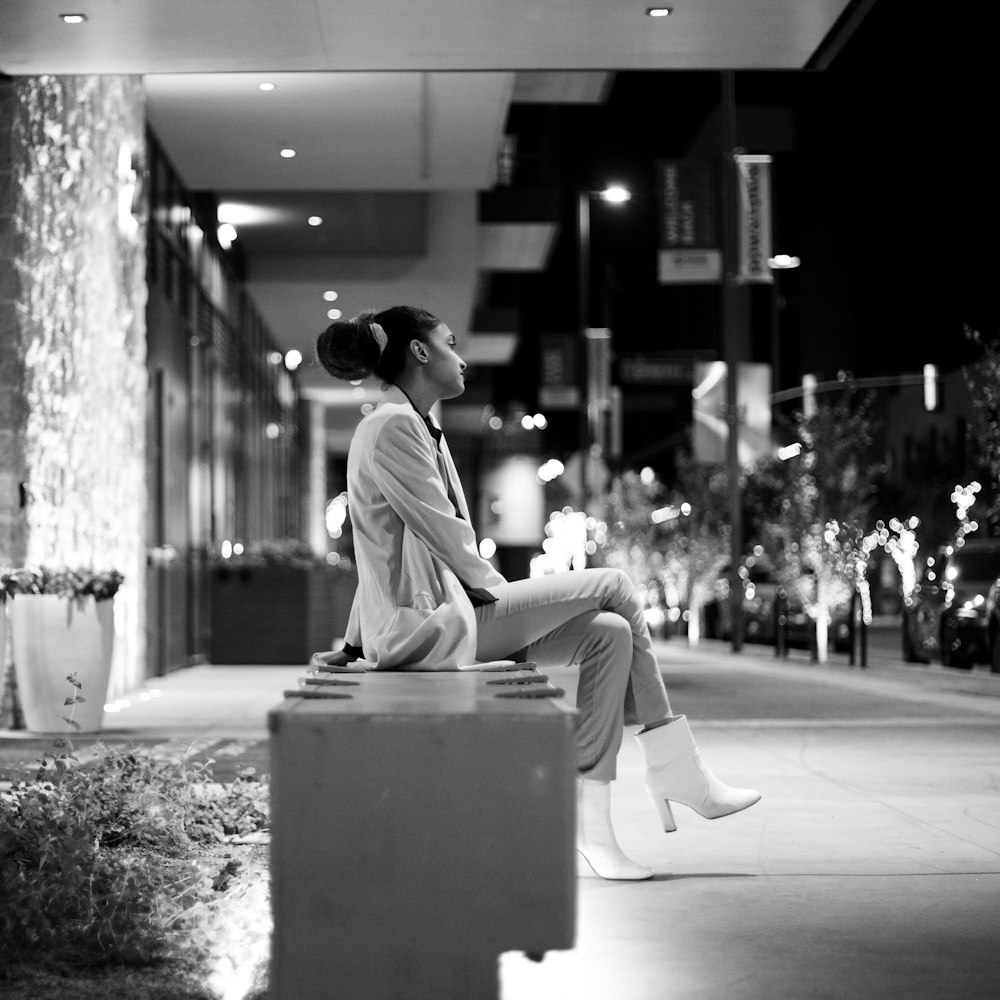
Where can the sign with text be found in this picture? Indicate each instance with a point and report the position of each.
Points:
(641, 370)
(689, 233)
(754, 184)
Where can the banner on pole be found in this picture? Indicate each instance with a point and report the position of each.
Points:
(754, 173)
(559, 387)
(709, 410)
(689, 245)
(598, 368)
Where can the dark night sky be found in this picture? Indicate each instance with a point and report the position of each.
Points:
(882, 184)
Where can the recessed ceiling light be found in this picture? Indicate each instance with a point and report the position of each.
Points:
(315, 220)
(288, 153)
(330, 296)
(333, 314)
(73, 18)
(265, 86)
(659, 11)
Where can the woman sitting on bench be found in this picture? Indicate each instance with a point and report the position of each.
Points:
(427, 600)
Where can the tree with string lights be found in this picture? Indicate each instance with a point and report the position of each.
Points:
(811, 508)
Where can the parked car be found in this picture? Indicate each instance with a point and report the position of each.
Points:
(949, 616)
(760, 589)
(993, 625)
(761, 592)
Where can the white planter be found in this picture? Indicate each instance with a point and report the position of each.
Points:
(53, 637)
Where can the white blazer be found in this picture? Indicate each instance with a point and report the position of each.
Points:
(414, 545)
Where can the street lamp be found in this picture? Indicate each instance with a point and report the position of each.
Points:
(595, 342)
(779, 262)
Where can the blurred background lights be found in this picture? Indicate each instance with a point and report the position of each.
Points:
(73, 18)
(495, 423)
(226, 234)
(275, 357)
(272, 431)
(539, 421)
(330, 296)
(566, 545)
(336, 514)
(293, 359)
(647, 476)
(487, 548)
(659, 11)
(790, 451)
(288, 152)
(265, 86)
(333, 314)
(315, 220)
(527, 423)
(552, 469)
(670, 513)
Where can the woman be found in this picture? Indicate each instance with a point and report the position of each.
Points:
(427, 600)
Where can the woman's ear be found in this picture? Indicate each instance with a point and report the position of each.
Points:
(419, 350)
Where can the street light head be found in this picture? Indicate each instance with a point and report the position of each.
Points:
(616, 194)
(782, 261)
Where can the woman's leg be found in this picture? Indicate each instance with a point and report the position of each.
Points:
(600, 644)
(524, 621)
(527, 610)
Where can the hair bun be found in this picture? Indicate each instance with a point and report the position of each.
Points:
(350, 349)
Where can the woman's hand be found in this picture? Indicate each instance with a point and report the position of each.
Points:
(331, 658)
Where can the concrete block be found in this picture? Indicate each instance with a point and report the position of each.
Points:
(422, 824)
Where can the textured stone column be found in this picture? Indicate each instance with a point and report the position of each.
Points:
(72, 326)
(13, 413)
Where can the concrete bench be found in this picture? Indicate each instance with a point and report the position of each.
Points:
(421, 825)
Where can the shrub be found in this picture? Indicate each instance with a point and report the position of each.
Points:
(95, 857)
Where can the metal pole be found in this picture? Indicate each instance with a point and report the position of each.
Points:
(583, 317)
(734, 323)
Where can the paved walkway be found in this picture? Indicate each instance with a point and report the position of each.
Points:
(870, 869)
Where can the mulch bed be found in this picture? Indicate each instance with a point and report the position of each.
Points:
(20, 755)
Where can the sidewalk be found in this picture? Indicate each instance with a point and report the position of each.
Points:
(869, 870)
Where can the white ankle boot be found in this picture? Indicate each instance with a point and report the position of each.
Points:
(595, 839)
(675, 772)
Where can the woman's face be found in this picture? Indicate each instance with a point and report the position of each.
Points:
(444, 368)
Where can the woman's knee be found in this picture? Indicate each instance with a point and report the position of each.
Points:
(617, 587)
(611, 636)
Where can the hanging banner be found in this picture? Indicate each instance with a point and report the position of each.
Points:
(754, 184)
(689, 232)
(710, 432)
(598, 368)
(559, 385)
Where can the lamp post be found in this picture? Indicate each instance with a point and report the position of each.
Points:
(595, 343)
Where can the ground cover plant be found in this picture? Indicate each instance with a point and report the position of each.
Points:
(126, 875)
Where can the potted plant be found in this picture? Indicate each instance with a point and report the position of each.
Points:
(61, 622)
(277, 602)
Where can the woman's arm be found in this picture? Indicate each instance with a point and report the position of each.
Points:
(405, 469)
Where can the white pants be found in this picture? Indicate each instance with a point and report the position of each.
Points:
(592, 618)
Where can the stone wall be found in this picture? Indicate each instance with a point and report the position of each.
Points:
(73, 379)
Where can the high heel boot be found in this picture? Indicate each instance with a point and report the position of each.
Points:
(675, 772)
(595, 839)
